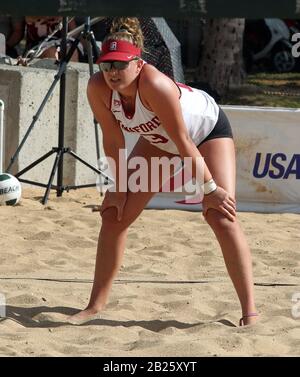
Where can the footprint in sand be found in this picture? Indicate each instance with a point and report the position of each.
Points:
(40, 236)
(51, 317)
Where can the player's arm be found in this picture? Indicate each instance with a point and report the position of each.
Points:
(113, 139)
(162, 96)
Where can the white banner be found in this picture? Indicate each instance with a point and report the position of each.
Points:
(268, 158)
(267, 144)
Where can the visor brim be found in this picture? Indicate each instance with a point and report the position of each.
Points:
(115, 56)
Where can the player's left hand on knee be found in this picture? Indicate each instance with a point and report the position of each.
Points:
(221, 201)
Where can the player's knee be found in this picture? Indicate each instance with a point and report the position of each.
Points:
(110, 217)
(219, 222)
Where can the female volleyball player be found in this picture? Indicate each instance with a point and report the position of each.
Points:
(172, 120)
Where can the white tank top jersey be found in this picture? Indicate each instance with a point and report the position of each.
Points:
(200, 114)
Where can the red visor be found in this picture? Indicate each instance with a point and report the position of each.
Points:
(118, 50)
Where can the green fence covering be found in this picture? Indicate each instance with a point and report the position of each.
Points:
(154, 8)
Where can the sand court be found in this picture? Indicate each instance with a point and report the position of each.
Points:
(172, 296)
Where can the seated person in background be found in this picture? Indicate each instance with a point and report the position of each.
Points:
(13, 29)
(38, 28)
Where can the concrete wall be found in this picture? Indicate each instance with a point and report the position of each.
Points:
(23, 89)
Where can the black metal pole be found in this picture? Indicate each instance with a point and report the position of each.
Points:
(60, 150)
(62, 94)
(57, 160)
(89, 47)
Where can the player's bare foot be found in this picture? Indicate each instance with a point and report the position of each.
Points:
(84, 316)
(249, 319)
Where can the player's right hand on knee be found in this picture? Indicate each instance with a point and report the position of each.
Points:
(114, 199)
(221, 201)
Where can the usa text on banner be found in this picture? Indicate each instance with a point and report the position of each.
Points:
(268, 162)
